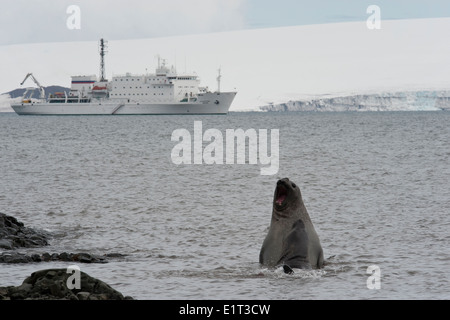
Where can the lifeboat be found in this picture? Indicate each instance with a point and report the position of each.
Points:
(99, 89)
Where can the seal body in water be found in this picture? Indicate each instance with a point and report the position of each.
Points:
(292, 241)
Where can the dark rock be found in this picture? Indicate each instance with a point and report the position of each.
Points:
(88, 258)
(46, 256)
(54, 257)
(14, 258)
(52, 284)
(36, 258)
(83, 257)
(13, 234)
(6, 244)
(83, 295)
(65, 256)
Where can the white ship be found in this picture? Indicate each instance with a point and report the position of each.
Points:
(164, 92)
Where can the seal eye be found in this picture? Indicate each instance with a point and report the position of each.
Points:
(294, 185)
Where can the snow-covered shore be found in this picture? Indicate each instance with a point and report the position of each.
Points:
(384, 101)
(265, 66)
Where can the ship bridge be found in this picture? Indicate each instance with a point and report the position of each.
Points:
(164, 86)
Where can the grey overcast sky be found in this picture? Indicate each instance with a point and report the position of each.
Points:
(29, 21)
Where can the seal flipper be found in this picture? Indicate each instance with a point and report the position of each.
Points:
(287, 269)
(295, 249)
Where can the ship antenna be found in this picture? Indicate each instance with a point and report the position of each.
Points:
(103, 46)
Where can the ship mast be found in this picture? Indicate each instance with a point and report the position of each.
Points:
(219, 77)
(103, 46)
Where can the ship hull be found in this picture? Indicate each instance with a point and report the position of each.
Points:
(211, 103)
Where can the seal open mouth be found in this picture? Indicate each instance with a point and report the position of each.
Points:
(281, 194)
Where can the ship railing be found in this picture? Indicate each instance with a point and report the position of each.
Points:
(32, 100)
(72, 99)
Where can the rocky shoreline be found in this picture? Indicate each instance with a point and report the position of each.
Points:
(55, 284)
(13, 234)
(49, 284)
(82, 257)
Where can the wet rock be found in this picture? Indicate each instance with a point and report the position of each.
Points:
(82, 257)
(53, 284)
(6, 244)
(83, 295)
(15, 258)
(36, 258)
(13, 234)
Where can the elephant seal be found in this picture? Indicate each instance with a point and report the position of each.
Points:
(292, 240)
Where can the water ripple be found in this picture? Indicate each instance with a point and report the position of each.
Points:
(375, 185)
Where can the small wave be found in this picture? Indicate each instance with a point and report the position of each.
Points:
(297, 274)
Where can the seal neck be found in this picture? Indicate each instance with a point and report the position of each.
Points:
(292, 210)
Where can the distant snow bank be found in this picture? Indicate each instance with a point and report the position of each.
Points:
(5, 103)
(385, 101)
(267, 66)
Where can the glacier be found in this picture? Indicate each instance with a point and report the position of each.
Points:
(383, 101)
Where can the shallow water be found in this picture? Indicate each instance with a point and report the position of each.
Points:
(376, 186)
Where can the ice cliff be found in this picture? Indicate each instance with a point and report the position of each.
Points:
(387, 101)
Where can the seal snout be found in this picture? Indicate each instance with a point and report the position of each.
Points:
(281, 192)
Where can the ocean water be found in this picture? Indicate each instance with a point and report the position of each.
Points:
(376, 185)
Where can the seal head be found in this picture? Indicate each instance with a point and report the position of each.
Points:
(285, 199)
